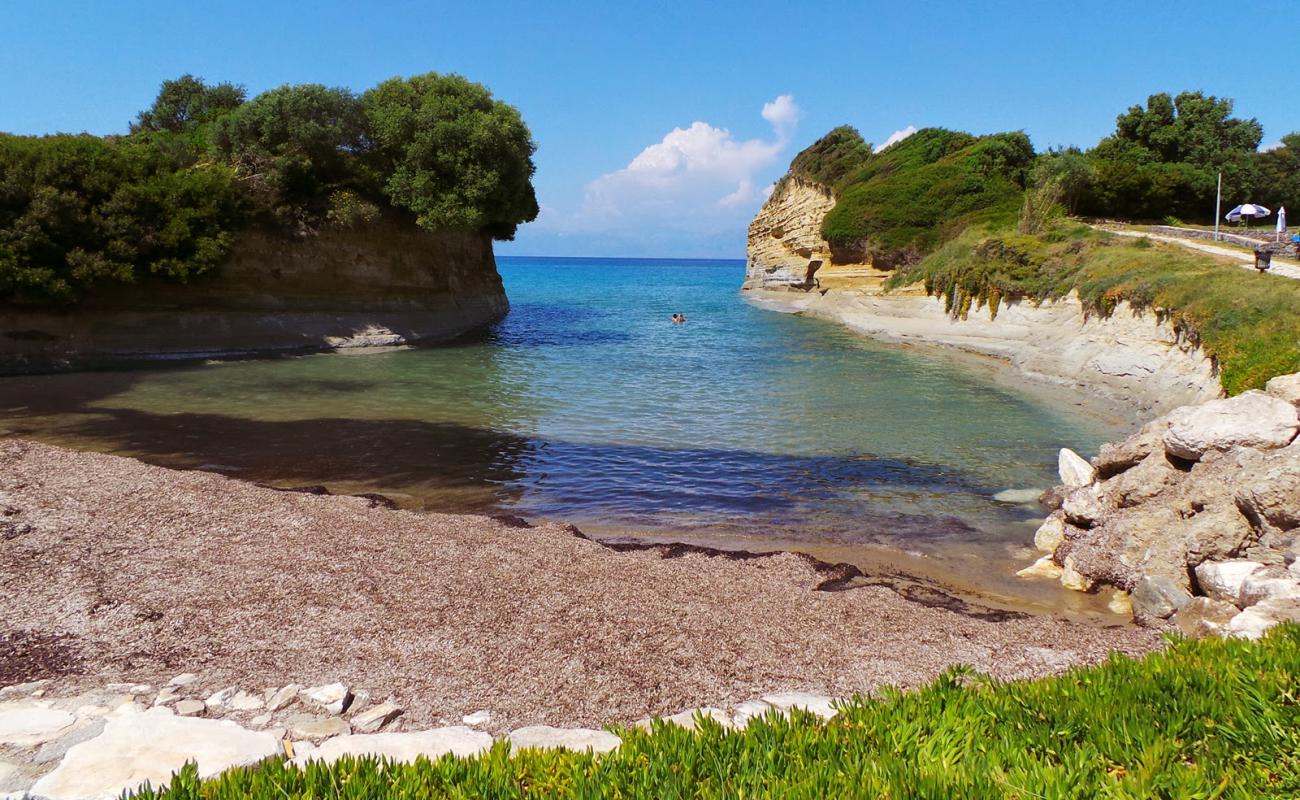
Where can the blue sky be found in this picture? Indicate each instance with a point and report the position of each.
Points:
(660, 124)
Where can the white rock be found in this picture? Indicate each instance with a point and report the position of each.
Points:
(545, 737)
(333, 698)
(30, 725)
(151, 747)
(1222, 580)
(23, 689)
(745, 712)
(1044, 567)
(686, 719)
(482, 717)
(307, 726)
(1285, 387)
(283, 696)
(1050, 534)
(1251, 419)
(1261, 586)
(1075, 471)
(183, 679)
(222, 697)
(376, 717)
(817, 704)
(243, 701)
(1254, 621)
(402, 747)
(1072, 579)
(1018, 496)
(190, 708)
(166, 695)
(260, 721)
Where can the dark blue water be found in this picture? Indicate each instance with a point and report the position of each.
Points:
(586, 404)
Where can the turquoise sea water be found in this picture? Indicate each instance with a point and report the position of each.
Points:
(586, 405)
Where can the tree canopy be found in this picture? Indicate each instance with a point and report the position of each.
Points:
(168, 199)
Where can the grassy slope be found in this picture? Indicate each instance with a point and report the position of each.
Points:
(1248, 323)
(1203, 719)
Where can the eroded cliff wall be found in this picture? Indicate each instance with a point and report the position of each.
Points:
(384, 284)
(1130, 357)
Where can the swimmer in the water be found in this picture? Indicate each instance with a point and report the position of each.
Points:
(678, 319)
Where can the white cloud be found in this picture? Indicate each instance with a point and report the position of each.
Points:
(896, 137)
(1264, 148)
(695, 178)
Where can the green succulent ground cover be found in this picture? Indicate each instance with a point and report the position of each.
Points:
(1201, 719)
(1247, 322)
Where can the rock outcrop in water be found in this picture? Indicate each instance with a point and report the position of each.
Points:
(1196, 516)
(383, 284)
(1130, 357)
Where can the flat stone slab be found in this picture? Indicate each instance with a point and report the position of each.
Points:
(545, 737)
(30, 725)
(404, 747)
(748, 710)
(818, 704)
(686, 719)
(151, 746)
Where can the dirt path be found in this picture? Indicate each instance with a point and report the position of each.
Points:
(1282, 267)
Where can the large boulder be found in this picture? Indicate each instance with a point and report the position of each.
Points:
(1222, 580)
(1204, 616)
(151, 746)
(1159, 596)
(1269, 583)
(1268, 488)
(1254, 621)
(1285, 387)
(1252, 419)
(403, 747)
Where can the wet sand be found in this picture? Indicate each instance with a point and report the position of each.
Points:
(115, 570)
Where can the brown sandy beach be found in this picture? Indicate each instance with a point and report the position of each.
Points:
(114, 570)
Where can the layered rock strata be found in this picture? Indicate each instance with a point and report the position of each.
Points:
(1130, 357)
(1195, 518)
(385, 284)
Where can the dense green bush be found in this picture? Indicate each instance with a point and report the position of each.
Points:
(902, 202)
(1203, 719)
(168, 200)
(832, 157)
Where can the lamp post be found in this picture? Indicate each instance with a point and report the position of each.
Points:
(1218, 206)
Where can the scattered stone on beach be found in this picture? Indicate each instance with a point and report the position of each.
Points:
(23, 689)
(244, 701)
(1222, 580)
(221, 698)
(1251, 419)
(281, 698)
(1269, 583)
(31, 725)
(167, 694)
(1158, 596)
(309, 726)
(1018, 496)
(743, 713)
(1044, 567)
(545, 737)
(1285, 387)
(151, 746)
(189, 708)
(481, 717)
(1050, 534)
(376, 717)
(1204, 616)
(261, 720)
(56, 749)
(184, 679)
(402, 747)
(1074, 580)
(817, 704)
(1074, 470)
(334, 698)
(1256, 620)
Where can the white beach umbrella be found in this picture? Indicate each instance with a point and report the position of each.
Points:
(1281, 222)
(1247, 211)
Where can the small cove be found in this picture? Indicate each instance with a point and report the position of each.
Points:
(743, 428)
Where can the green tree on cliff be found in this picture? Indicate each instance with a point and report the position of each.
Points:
(451, 153)
(187, 102)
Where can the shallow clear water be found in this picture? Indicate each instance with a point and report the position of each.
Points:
(585, 404)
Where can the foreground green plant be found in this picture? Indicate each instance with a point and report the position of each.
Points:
(1248, 323)
(1202, 719)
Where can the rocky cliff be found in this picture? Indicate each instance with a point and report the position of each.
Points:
(1131, 356)
(384, 284)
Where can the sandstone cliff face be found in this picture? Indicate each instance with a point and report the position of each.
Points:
(786, 247)
(385, 284)
(1130, 357)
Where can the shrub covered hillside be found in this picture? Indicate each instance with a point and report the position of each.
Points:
(166, 201)
(1204, 719)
